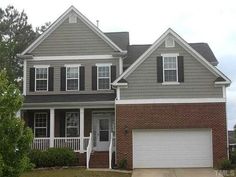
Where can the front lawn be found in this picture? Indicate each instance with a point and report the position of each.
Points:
(76, 172)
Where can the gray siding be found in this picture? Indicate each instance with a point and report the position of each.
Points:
(57, 75)
(199, 81)
(72, 39)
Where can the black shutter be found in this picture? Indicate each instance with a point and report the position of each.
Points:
(63, 78)
(51, 79)
(62, 124)
(94, 77)
(48, 126)
(81, 78)
(180, 68)
(113, 73)
(30, 117)
(159, 69)
(32, 79)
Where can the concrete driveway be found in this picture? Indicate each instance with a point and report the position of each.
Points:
(180, 172)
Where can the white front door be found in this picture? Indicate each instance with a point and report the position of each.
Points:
(102, 130)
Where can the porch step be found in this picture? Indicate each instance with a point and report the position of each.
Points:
(99, 159)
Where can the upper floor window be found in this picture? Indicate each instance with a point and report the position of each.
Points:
(41, 78)
(72, 124)
(72, 77)
(170, 68)
(40, 124)
(104, 76)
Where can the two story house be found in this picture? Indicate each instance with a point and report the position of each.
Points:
(153, 106)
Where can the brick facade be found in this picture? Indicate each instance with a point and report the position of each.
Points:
(171, 116)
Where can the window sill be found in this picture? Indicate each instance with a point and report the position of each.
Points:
(170, 83)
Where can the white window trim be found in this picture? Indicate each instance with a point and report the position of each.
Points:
(163, 71)
(78, 127)
(74, 66)
(169, 46)
(109, 77)
(35, 79)
(41, 127)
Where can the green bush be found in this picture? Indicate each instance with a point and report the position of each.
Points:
(122, 164)
(225, 165)
(53, 157)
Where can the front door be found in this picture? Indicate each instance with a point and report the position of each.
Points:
(101, 131)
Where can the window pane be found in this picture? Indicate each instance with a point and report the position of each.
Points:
(72, 72)
(104, 124)
(104, 135)
(40, 132)
(103, 71)
(41, 73)
(72, 124)
(41, 85)
(40, 120)
(170, 76)
(72, 84)
(170, 63)
(72, 132)
(103, 83)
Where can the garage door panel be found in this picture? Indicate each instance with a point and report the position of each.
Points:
(169, 148)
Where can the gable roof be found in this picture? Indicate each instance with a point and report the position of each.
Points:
(119, 38)
(185, 45)
(59, 21)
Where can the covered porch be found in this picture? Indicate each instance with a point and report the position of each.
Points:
(73, 128)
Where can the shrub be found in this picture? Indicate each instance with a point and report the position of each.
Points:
(225, 165)
(122, 164)
(53, 157)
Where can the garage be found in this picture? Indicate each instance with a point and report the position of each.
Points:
(172, 148)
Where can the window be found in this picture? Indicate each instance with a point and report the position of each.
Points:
(103, 73)
(170, 71)
(41, 79)
(72, 78)
(40, 124)
(72, 124)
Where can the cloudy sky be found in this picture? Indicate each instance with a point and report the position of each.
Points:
(212, 21)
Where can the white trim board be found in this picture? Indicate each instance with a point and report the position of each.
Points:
(165, 101)
(73, 57)
(184, 44)
(59, 21)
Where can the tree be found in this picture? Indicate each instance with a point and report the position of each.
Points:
(15, 35)
(15, 137)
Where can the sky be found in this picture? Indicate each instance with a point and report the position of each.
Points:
(211, 21)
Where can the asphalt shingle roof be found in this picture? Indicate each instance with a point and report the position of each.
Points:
(135, 51)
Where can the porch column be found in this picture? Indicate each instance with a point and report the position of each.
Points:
(52, 126)
(82, 130)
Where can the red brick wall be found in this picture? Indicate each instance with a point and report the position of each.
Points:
(171, 116)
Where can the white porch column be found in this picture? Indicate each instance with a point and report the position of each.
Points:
(52, 126)
(82, 130)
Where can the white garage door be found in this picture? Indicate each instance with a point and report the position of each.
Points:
(172, 148)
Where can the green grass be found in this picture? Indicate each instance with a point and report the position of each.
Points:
(76, 172)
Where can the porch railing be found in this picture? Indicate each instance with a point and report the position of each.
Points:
(41, 143)
(67, 142)
(89, 149)
(61, 142)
